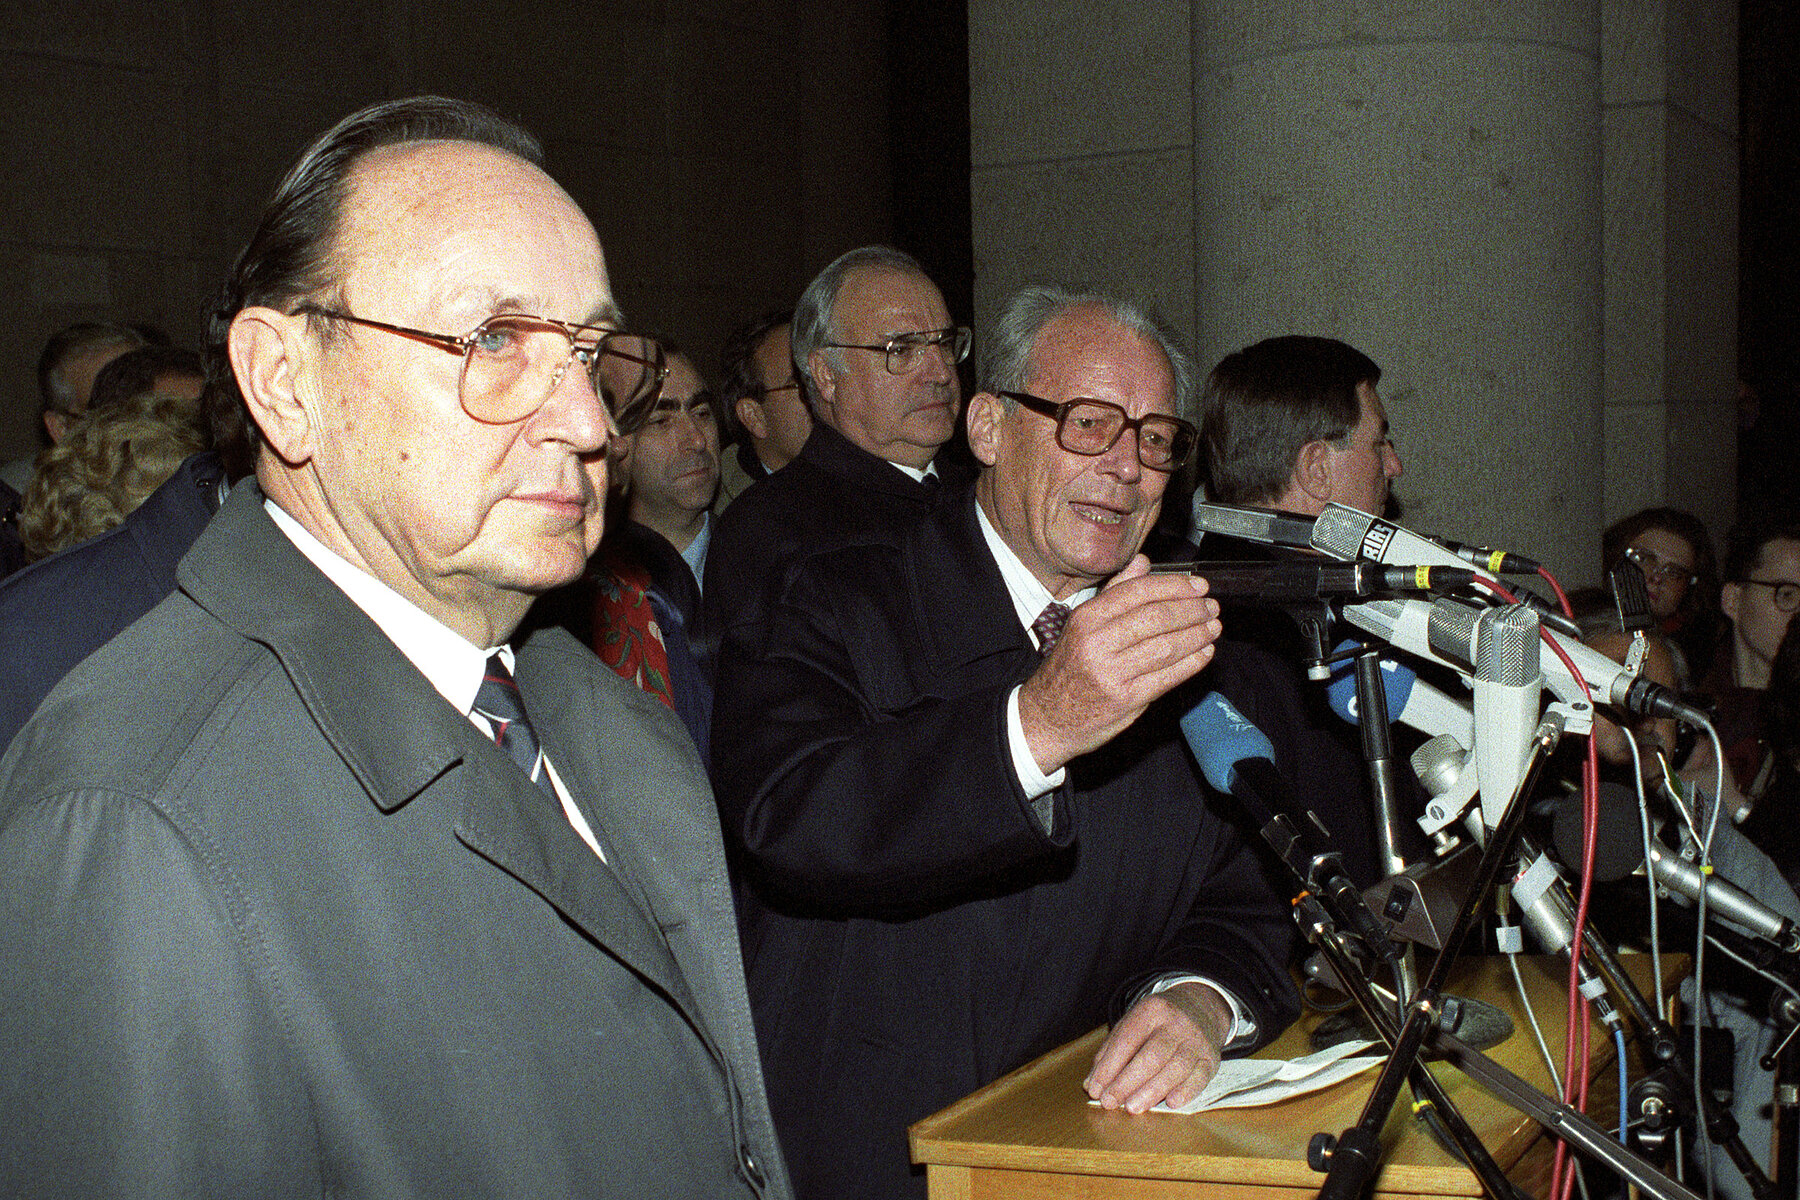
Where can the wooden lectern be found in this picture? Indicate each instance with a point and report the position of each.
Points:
(1034, 1136)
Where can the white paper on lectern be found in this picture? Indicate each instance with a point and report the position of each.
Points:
(1248, 1082)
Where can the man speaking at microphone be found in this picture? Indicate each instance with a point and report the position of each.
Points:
(971, 830)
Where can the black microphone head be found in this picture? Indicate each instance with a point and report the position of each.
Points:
(1618, 842)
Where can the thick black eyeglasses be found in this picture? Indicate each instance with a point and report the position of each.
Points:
(1787, 592)
(905, 351)
(1091, 427)
(512, 363)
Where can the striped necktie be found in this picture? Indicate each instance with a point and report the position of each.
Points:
(499, 701)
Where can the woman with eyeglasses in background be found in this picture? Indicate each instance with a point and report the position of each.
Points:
(1681, 573)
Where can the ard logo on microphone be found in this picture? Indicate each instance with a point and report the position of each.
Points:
(1375, 542)
(1234, 722)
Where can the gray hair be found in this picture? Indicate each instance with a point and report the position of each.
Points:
(1006, 364)
(813, 314)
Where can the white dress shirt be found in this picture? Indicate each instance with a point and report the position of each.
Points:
(1029, 597)
(450, 662)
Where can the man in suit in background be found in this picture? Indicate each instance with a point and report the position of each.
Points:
(70, 361)
(305, 892)
(970, 826)
(760, 403)
(875, 354)
(1294, 423)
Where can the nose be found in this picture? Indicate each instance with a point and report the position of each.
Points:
(1390, 461)
(689, 435)
(575, 414)
(1121, 460)
(935, 365)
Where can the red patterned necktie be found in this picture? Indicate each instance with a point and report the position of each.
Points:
(1049, 625)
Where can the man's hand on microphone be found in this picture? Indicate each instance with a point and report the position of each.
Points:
(1166, 1048)
(1142, 635)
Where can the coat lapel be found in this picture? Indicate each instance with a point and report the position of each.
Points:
(412, 741)
(647, 799)
(972, 632)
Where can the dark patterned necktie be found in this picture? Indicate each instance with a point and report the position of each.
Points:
(499, 701)
(1049, 625)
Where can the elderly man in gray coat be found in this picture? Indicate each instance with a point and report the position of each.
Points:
(312, 886)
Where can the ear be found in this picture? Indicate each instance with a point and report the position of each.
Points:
(1729, 596)
(270, 355)
(750, 415)
(56, 424)
(1312, 470)
(824, 384)
(985, 415)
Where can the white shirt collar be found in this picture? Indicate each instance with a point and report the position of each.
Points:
(695, 554)
(1029, 596)
(915, 473)
(452, 663)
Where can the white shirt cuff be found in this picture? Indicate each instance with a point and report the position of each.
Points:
(1243, 1026)
(1038, 786)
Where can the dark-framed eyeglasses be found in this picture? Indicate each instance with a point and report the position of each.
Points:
(512, 363)
(1656, 569)
(1092, 427)
(905, 351)
(1787, 592)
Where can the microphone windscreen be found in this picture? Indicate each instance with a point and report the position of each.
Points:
(1618, 841)
(1397, 682)
(1221, 737)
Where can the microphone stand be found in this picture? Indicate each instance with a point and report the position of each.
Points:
(1661, 1046)
(1328, 902)
(1351, 1158)
(1384, 785)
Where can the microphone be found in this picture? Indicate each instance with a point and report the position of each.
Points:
(1349, 534)
(1495, 562)
(1443, 631)
(1549, 912)
(1346, 529)
(1507, 686)
(1410, 700)
(1619, 851)
(1237, 758)
(1314, 579)
(1268, 526)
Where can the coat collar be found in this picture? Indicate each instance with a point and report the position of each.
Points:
(249, 576)
(831, 452)
(962, 600)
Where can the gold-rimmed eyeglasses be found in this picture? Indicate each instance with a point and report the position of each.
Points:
(1092, 427)
(512, 363)
(905, 351)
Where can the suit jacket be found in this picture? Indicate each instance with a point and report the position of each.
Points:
(61, 609)
(832, 493)
(912, 932)
(738, 469)
(280, 921)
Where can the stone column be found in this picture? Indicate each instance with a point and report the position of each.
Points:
(1669, 122)
(1525, 213)
(1427, 189)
